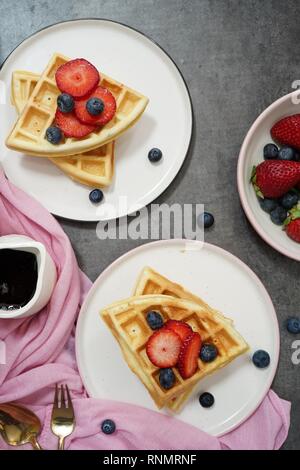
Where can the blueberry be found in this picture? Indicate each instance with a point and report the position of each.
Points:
(293, 325)
(108, 426)
(94, 106)
(270, 151)
(207, 219)
(206, 400)
(96, 196)
(65, 103)
(289, 200)
(261, 359)
(53, 135)
(208, 352)
(286, 153)
(154, 155)
(166, 378)
(267, 205)
(278, 215)
(154, 320)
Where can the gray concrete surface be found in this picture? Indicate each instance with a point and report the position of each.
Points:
(237, 57)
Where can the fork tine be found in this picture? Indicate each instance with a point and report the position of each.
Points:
(70, 404)
(62, 398)
(55, 403)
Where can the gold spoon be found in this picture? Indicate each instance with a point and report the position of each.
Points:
(19, 426)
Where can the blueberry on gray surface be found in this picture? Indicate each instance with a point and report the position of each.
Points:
(293, 325)
(278, 215)
(154, 320)
(207, 219)
(206, 400)
(286, 153)
(289, 200)
(65, 103)
(54, 135)
(261, 359)
(94, 106)
(208, 352)
(155, 155)
(270, 151)
(108, 426)
(166, 378)
(96, 196)
(267, 205)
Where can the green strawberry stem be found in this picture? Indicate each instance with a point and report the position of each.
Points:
(253, 174)
(293, 215)
(253, 181)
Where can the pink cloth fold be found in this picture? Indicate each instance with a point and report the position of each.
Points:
(40, 352)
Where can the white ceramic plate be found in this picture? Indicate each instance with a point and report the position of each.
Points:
(132, 58)
(252, 154)
(224, 282)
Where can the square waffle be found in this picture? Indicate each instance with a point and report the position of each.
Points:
(28, 134)
(151, 282)
(127, 321)
(94, 168)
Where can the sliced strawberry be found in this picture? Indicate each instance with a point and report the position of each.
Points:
(107, 114)
(77, 77)
(71, 126)
(181, 328)
(163, 348)
(188, 358)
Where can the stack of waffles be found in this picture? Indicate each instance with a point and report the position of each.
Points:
(126, 320)
(89, 160)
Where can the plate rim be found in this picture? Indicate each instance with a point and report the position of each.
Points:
(192, 114)
(240, 176)
(209, 246)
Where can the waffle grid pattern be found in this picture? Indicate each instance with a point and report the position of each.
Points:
(94, 168)
(129, 322)
(28, 134)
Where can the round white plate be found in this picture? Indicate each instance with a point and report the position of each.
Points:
(225, 283)
(131, 58)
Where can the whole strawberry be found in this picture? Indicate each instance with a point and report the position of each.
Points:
(273, 178)
(292, 225)
(287, 131)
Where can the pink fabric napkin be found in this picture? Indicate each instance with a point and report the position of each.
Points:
(40, 352)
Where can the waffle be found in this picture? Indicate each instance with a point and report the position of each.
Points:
(151, 282)
(28, 134)
(22, 86)
(94, 168)
(126, 319)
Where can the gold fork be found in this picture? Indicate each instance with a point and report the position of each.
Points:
(63, 417)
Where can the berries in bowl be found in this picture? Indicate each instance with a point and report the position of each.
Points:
(269, 176)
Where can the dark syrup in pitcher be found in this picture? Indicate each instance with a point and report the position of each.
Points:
(18, 278)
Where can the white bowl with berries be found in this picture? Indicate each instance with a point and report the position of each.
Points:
(268, 175)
